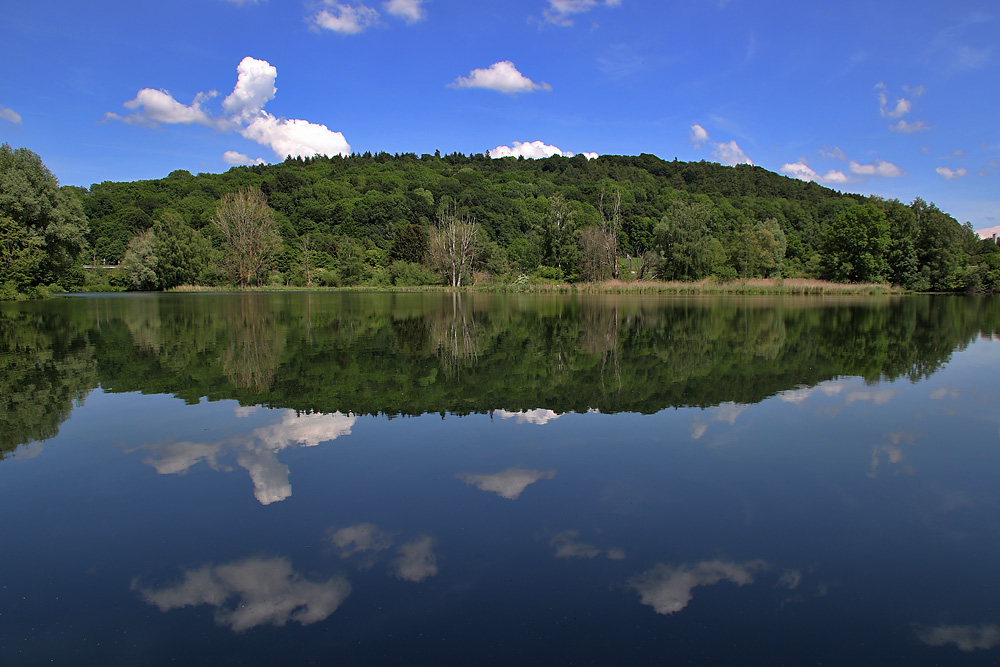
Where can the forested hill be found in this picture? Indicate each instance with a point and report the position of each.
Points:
(380, 220)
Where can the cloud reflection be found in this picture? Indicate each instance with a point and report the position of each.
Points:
(567, 546)
(509, 483)
(668, 589)
(416, 560)
(252, 592)
(966, 638)
(539, 416)
(359, 538)
(257, 453)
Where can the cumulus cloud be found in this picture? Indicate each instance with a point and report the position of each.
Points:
(729, 153)
(252, 592)
(154, 107)
(416, 560)
(668, 589)
(509, 483)
(804, 172)
(408, 10)
(244, 112)
(502, 77)
(234, 157)
(254, 88)
(877, 168)
(256, 454)
(538, 416)
(534, 150)
(698, 135)
(950, 175)
(345, 19)
(10, 115)
(560, 12)
(966, 638)
(362, 537)
(298, 138)
(528, 149)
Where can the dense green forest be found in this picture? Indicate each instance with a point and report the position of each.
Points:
(415, 353)
(387, 220)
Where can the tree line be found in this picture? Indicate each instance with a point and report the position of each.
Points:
(382, 220)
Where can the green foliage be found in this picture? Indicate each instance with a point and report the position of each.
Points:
(406, 274)
(42, 226)
(856, 245)
(534, 211)
(138, 267)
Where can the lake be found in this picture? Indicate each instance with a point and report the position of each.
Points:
(439, 478)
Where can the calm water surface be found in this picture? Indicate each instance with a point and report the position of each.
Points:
(478, 479)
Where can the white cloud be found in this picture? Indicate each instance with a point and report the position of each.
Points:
(668, 589)
(528, 149)
(966, 638)
(877, 168)
(10, 115)
(902, 106)
(245, 107)
(234, 157)
(538, 416)
(950, 175)
(728, 412)
(408, 10)
(298, 138)
(909, 128)
(946, 391)
(153, 107)
(509, 483)
(416, 560)
(559, 12)
(254, 88)
(729, 154)
(804, 172)
(345, 19)
(500, 76)
(698, 135)
(360, 538)
(252, 592)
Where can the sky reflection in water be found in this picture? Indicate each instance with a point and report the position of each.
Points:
(858, 513)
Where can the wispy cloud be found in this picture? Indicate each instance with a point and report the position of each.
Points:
(410, 11)
(345, 19)
(877, 168)
(561, 12)
(10, 115)
(502, 77)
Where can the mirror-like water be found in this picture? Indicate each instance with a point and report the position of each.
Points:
(478, 479)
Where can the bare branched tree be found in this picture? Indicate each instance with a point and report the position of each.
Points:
(453, 244)
(610, 224)
(249, 235)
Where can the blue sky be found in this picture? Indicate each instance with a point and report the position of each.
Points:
(888, 97)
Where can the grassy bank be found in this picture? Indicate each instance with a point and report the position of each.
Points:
(756, 286)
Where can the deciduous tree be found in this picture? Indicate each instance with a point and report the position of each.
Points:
(246, 224)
